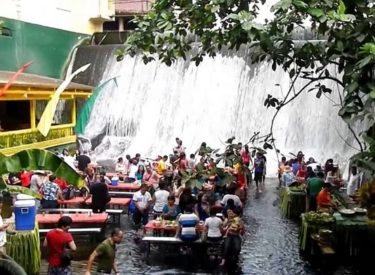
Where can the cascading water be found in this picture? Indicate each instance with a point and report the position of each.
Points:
(149, 105)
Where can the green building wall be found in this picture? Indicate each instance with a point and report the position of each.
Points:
(49, 49)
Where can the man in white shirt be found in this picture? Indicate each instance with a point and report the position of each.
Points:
(132, 170)
(142, 200)
(3, 228)
(231, 195)
(353, 182)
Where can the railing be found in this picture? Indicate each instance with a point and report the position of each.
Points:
(131, 7)
(31, 136)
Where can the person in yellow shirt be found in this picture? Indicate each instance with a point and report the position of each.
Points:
(162, 166)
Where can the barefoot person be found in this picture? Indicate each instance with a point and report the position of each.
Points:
(106, 253)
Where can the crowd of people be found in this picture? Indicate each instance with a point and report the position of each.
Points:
(318, 180)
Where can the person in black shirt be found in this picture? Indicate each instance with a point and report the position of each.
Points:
(83, 162)
(100, 196)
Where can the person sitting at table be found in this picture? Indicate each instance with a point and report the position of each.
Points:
(139, 173)
(142, 200)
(314, 185)
(334, 176)
(230, 195)
(160, 198)
(57, 240)
(120, 166)
(213, 226)
(187, 225)
(106, 179)
(288, 178)
(202, 207)
(99, 194)
(324, 199)
(232, 206)
(171, 210)
(133, 168)
(151, 178)
(51, 192)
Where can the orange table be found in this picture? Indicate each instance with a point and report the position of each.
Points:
(79, 200)
(132, 187)
(164, 228)
(100, 218)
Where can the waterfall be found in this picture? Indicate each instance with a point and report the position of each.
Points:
(149, 105)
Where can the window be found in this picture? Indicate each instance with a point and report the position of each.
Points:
(63, 113)
(14, 115)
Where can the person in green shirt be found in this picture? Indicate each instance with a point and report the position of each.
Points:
(105, 254)
(314, 185)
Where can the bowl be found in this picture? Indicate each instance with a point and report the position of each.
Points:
(347, 212)
(360, 211)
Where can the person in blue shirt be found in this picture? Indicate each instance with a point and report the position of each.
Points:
(187, 225)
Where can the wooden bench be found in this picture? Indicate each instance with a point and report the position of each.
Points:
(75, 230)
(67, 210)
(153, 239)
(116, 215)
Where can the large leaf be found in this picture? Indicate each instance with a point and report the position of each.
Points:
(36, 159)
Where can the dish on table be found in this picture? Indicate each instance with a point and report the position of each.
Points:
(347, 212)
(359, 210)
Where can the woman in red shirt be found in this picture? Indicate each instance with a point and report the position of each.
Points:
(57, 240)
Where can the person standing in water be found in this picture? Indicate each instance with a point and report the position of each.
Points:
(106, 254)
(259, 167)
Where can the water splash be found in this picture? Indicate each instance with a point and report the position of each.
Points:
(150, 105)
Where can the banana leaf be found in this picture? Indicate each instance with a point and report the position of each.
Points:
(37, 159)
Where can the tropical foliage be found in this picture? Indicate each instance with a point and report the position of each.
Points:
(36, 159)
(344, 41)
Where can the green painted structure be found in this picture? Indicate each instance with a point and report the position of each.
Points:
(48, 48)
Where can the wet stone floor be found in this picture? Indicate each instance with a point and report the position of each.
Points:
(270, 246)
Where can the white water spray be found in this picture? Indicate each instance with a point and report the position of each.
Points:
(222, 97)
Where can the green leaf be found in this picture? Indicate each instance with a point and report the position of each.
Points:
(341, 10)
(315, 12)
(36, 159)
(372, 94)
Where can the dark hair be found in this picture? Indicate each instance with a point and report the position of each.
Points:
(128, 157)
(171, 197)
(213, 211)
(162, 184)
(192, 155)
(119, 159)
(51, 178)
(320, 174)
(64, 221)
(144, 185)
(230, 202)
(115, 231)
(137, 155)
(283, 159)
(327, 185)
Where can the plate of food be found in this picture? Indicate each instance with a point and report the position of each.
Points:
(359, 210)
(347, 212)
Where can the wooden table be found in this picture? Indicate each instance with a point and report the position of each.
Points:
(132, 187)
